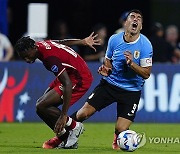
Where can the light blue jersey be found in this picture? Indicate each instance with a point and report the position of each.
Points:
(122, 75)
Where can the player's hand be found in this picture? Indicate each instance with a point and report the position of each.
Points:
(92, 40)
(104, 70)
(129, 57)
(60, 124)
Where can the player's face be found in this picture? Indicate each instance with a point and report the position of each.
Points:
(133, 23)
(30, 55)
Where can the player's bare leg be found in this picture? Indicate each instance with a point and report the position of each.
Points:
(121, 125)
(48, 111)
(84, 113)
(47, 108)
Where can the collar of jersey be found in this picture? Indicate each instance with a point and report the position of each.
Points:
(134, 41)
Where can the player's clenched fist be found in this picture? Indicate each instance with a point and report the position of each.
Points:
(129, 57)
(104, 70)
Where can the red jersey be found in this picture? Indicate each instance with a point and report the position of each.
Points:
(58, 57)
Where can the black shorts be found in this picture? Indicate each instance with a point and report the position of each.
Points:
(105, 94)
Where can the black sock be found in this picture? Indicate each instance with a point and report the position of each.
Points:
(116, 132)
(73, 116)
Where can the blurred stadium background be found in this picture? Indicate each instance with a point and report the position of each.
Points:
(161, 97)
(22, 84)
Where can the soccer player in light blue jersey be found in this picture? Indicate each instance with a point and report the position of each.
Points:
(127, 64)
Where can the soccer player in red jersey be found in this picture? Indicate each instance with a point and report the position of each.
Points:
(73, 79)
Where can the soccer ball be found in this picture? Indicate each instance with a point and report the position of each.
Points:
(128, 140)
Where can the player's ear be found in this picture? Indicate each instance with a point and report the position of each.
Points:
(125, 23)
(141, 27)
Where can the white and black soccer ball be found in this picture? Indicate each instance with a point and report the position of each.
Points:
(128, 140)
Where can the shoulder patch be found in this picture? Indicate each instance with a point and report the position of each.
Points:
(54, 68)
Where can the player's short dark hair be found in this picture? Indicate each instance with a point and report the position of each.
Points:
(23, 44)
(123, 16)
(135, 11)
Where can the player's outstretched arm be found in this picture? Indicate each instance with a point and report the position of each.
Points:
(90, 41)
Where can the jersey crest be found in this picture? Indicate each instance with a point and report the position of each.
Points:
(136, 54)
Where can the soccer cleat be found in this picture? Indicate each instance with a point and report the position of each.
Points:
(52, 143)
(61, 145)
(74, 135)
(75, 146)
(114, 144)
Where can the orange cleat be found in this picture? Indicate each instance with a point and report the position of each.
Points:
(52, 143)
(114, 144)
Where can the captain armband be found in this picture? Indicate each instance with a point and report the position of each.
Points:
(146, 62)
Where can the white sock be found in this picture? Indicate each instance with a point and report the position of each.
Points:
(69, 121)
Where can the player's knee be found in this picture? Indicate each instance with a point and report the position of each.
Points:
(39, 106)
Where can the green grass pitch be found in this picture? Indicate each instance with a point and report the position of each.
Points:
(22, 138)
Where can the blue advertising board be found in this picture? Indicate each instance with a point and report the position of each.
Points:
(22, 84)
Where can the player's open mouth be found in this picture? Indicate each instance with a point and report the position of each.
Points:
(134, 26)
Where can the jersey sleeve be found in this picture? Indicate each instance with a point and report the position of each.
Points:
(146, 54)
(109, 51)
(54, 65)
